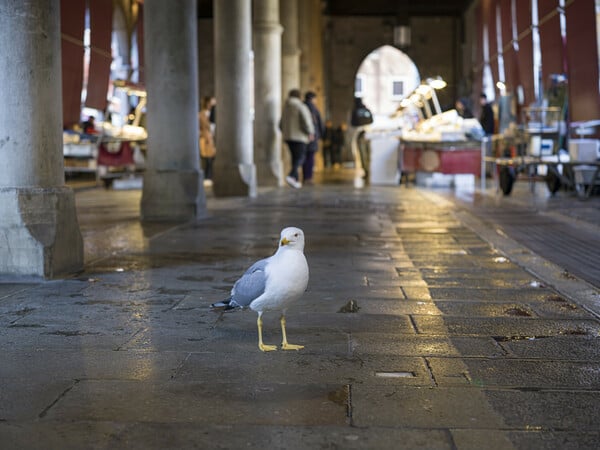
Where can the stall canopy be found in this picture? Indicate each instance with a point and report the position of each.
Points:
(478, 43)
(575, 55)
(101, 13)
(140, 43)
(551, 42)
(72, 19)
(492, 40)
(582, 60)
(525, 55)
(511, 62)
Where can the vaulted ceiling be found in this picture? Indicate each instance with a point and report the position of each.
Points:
(395, 7)
(398, 8)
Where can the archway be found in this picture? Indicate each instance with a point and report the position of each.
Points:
(383, 79)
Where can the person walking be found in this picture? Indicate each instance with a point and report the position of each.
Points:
(361, 117)
(208, 150)
(297, 128)
(313, 146)
(338, 145)
(328, 136)
(486, 117)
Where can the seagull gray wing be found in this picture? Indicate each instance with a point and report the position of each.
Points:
(251, 285)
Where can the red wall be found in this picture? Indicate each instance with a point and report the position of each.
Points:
(577, 56)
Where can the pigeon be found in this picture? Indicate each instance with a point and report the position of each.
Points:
(272, 284)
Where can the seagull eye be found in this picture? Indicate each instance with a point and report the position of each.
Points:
(296, 235)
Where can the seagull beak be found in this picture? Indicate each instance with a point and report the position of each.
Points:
(284, 241)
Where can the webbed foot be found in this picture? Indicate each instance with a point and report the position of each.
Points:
(266, 348)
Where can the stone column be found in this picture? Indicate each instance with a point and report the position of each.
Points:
(235, 173)
(173, 180)
(311, 58)
(267, 92)
(290, 78)
(310, 42)
(39, 232)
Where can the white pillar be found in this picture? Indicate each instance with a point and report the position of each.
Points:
(39, 232)
(235, 173)
(310, 42)
(173, 180)
(267, 88)
(291, 50)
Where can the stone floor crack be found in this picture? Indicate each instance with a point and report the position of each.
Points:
(57, 399)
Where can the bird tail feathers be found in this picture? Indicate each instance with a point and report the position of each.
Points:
(224, 305)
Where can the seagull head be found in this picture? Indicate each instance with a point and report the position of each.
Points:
(292, 237)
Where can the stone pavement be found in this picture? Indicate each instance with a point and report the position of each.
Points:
(419, 333)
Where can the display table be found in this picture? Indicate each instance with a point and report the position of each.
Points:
(449, 157)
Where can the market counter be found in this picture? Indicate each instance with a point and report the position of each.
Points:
(447, 157)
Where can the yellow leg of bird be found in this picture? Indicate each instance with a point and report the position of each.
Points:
(284, 344)
(261, 345)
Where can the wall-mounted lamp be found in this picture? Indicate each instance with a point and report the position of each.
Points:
(424, 90)
(437, 82)
(434, 84)
(402, 36)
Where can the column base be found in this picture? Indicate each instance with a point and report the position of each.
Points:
(39, 232)
(235, 180)
(172, 196)
(266, 174)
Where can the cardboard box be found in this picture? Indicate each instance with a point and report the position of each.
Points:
(584, 149)
(540, 147)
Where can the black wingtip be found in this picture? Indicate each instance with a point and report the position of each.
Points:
(224, 305)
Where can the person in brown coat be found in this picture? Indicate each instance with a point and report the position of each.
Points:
(208, 150)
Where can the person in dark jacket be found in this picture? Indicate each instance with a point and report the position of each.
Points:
(361, 117)
(487, 115)
(328, 137)
(313, 146)
(297, 130)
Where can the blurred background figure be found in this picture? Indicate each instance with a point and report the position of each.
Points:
(208, 150)
(297, 130)
(313, 146)
(89, 126)
(328, 144)
(462, 107)
(338, 145)
(361, 118)
(486, 117)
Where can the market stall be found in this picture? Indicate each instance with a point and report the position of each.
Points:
(445, 143)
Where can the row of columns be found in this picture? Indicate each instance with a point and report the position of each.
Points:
(39, 232)
(249, 151)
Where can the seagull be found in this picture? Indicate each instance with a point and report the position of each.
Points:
(272, 284)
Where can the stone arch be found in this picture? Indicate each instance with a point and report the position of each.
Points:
(385, 76)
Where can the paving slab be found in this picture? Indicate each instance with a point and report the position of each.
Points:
(251, 403)
(425, 407)
(548, 410)
(505, 327)
(518, 373)
(585, 348)
(418, 330)
(160, 435)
